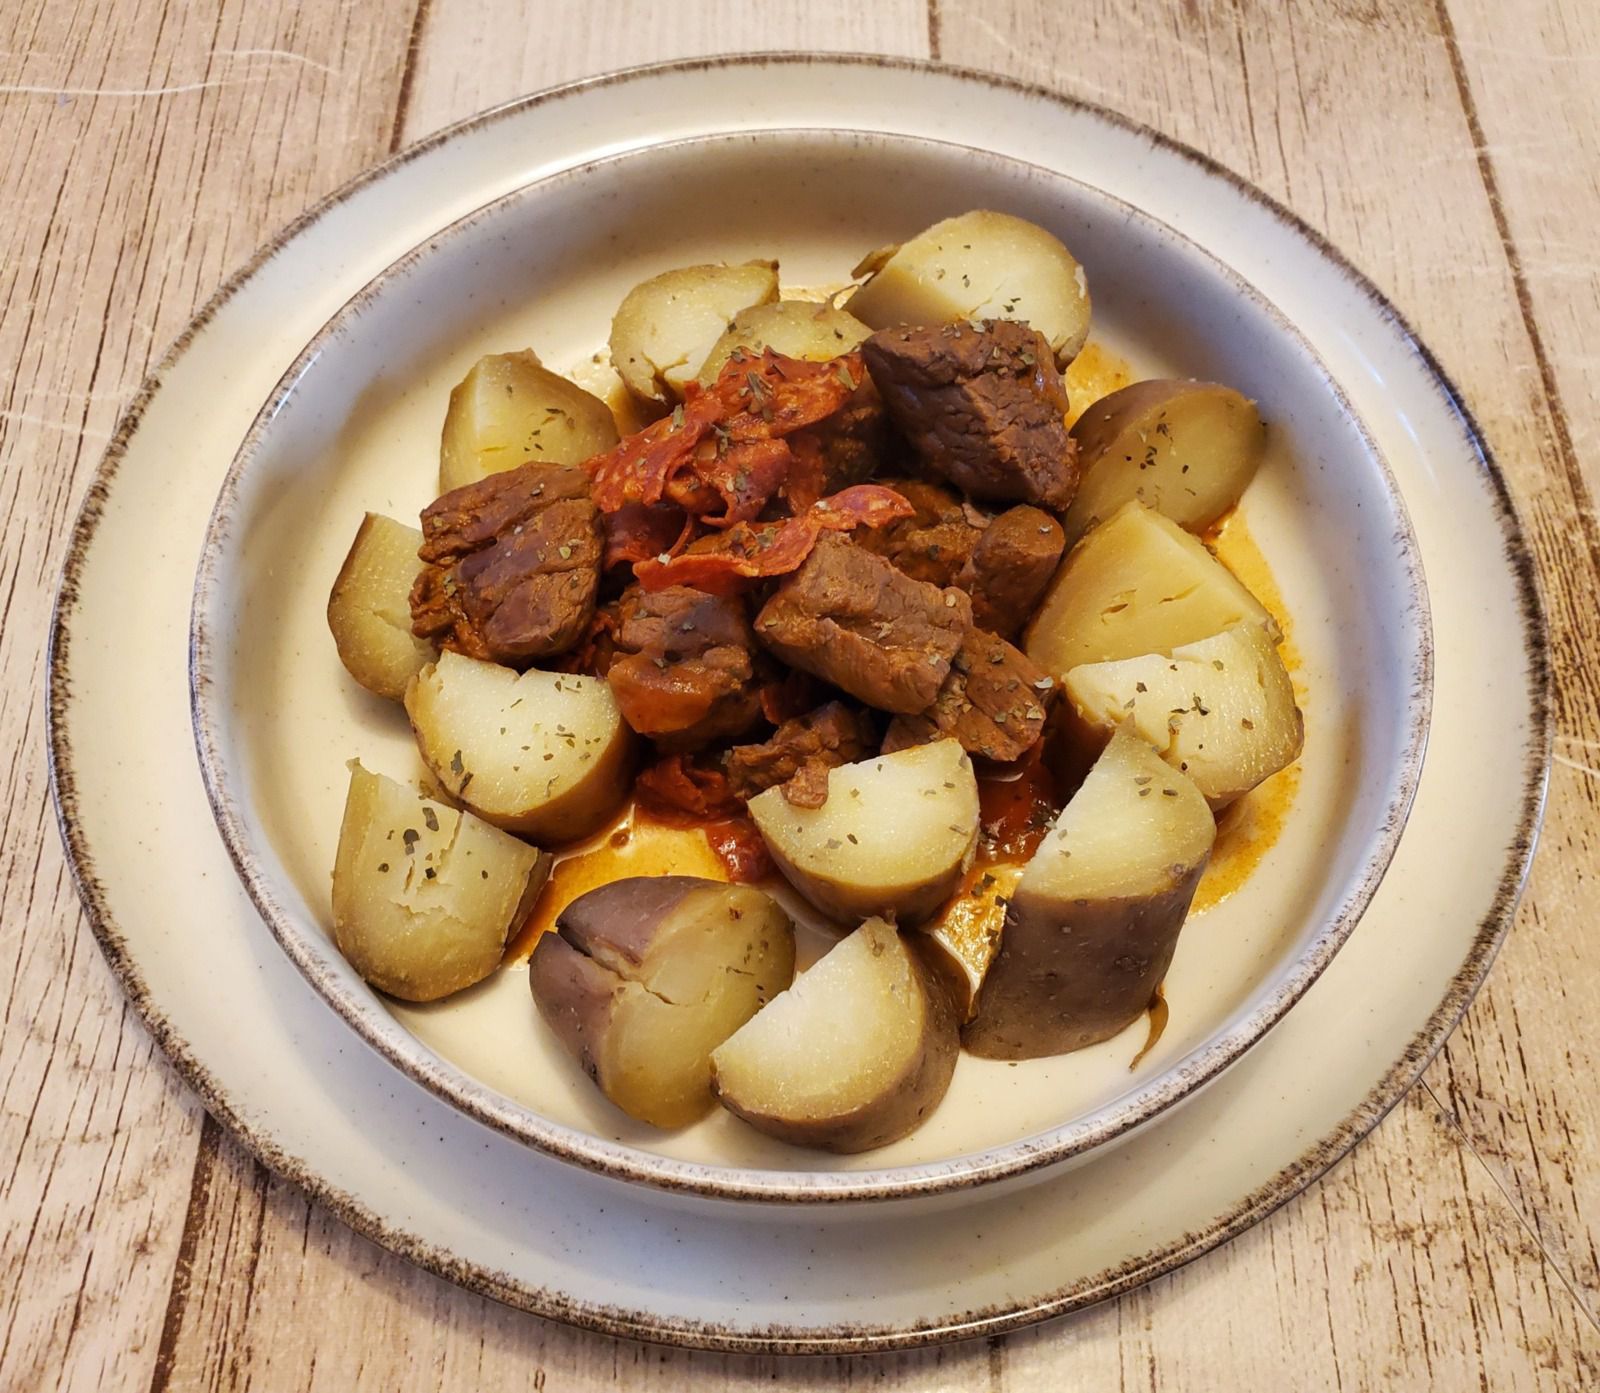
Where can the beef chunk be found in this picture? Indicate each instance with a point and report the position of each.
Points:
(852, 619)
(993, 702)
(1014, 560)
(800, 753)
(685, 670)
(513, 564)
(846, 448)
(981, 406)
(937, 541)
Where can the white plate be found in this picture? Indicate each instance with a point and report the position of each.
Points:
(282, 1069)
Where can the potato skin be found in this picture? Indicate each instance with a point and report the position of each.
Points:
(576, 997)
(1068, 976)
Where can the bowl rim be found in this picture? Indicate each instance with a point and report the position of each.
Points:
(319, 961)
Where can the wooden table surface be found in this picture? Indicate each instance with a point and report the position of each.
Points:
(1451, 147)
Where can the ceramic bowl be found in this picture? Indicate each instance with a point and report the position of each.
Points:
(354, 425)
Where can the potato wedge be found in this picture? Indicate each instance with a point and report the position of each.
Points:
(980, 265)
(1222, 710)
(666, 325)
(1092, 925)
(1136, 584)
(646, 976)
(855, 1055)
(425, 896)
(1186, 449)
(545, 754)
(369, 607)
(512, 410)
(894, 837)
(815, 331)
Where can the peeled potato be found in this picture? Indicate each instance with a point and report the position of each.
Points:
(546, 754)
(1186, 449)
(646, 976)
(1092, 926)
(666, 326)
(369, 608)
(511, 410)
(1136, 584)
(796, 328)
(981, 265)
(425, 896)
(893, 838)
(854, 1055)
(1222, 710)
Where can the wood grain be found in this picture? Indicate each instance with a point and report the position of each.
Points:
(1450, 148)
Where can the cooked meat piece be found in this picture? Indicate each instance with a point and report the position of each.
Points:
(513, 565)
(800, 753)
(1014, 560)
(846, 448)
(685, 671)
(981, 406)
(935, 543)
(993, 702)
(852, 619)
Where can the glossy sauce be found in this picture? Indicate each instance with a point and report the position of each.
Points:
(633, 845)
(1247, 830)
(1094, 373)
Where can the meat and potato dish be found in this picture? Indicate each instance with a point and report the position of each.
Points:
(939, 660)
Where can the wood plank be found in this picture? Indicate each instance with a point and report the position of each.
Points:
(474, 56)
(150, 148)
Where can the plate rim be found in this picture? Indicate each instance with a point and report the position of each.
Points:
(253, 860)
(1289, 1181)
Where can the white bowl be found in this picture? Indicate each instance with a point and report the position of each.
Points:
(354, 426)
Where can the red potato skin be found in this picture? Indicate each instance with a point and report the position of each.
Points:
(625, 915)
(576, 996)
(915, 1094)
(1071, 975)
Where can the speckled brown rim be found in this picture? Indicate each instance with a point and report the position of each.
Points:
(988, 1321)
(308, 946)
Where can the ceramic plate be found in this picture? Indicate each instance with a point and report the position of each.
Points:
(280, 1067)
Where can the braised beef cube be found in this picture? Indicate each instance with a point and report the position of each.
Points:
(513, 565)
(684, 670)
(852, 445)
(800, 753)
(936, 542)
(853, 619)
(1013, 562)
(993, 702)
(982, 406)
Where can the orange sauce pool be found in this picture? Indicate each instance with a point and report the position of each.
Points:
(1248, 829)
(1094, 373)
(632, 845)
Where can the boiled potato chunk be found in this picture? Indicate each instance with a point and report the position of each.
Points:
(369, 609)
(1222, 710)
(425, 896)
(894, 837)
(1136, 584)
(1186, 449)
(646, 976)
(854, 1055)
(545, 754)
(512, 410)
(981, 265)
(1094, 921)
(666, 326)
(796, 328)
